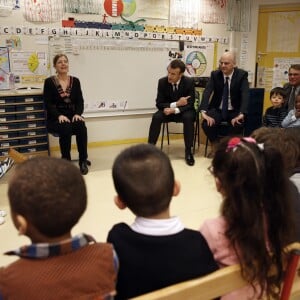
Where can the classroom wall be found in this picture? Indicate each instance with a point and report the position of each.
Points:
(117, 129)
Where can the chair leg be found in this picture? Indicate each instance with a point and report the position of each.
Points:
(196, 134)
(290, 275)
(206, 145)
(162, 136)
(168, 133)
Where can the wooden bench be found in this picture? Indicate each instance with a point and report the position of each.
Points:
(227, 280)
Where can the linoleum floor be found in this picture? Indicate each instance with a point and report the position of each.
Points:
(197, 201)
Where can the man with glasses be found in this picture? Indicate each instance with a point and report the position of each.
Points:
(293, 86)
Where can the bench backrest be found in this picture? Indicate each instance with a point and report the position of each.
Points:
(227, 280)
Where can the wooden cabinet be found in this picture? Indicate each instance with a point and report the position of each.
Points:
(23, 123)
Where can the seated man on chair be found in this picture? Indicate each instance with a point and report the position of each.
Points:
(175, 102)
(228, 89)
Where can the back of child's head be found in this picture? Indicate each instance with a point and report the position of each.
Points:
(278, 91)
(239, 165)
(144, 179)
(256, 206)
(50, 193)
(280, 140)
(294, 134)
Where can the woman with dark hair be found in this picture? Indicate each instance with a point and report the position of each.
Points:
(64, 105)
(256, 221)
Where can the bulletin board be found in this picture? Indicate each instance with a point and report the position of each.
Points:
(118, 77)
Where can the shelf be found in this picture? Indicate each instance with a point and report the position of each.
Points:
(22, 129)
(23, 124)
(18, 121)
(21, 103)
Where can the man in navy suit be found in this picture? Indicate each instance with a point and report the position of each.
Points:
(175, 102)
(212, 107)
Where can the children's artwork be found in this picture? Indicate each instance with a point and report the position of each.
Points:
(4, 68)
(43, 10)
(82, 6)
(213, 11)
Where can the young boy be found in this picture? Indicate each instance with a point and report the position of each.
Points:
(156, 250)
(275, 114)
(47, 197)
(293, 117)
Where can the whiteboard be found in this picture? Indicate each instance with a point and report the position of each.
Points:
(117, 77)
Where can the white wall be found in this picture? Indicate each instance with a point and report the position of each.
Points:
(105, 129)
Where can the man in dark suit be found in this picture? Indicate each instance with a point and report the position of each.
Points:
(292, 88)
(225, 98)
(175, 102)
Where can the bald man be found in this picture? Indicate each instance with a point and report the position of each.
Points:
(221, 103)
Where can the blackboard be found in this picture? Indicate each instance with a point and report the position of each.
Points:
(117, 77)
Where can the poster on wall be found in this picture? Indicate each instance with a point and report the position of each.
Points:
(281, 69)
(4, 68)
(29, 66)
(199, 59)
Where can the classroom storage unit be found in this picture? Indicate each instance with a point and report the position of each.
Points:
(23, 123)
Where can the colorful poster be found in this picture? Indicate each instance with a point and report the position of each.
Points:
(4, 68)
(29, 66)
(199, 59)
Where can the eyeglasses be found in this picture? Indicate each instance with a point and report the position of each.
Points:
(211, 169)
(294, 74)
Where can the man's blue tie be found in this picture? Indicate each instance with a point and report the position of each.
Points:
(225, 99)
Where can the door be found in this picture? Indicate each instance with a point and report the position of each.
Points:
(278, 46)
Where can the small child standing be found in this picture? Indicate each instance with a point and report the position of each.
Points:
(275, 114)
(47, 197)
(293, 117)
(156, 250)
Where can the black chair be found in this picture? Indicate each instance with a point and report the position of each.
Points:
(165, 127)
(56, 135)
(224, 128)
(200, 84)
(253, 119)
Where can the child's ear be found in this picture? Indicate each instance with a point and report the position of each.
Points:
(21, 224)
(118, 201)
(176, 189)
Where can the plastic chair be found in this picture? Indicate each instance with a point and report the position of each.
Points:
(290, 273)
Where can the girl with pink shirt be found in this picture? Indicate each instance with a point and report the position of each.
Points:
(256, 219)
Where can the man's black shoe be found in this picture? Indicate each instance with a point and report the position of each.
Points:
(83, 167)
(189, 158)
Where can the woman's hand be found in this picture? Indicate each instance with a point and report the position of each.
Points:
(62, 119)
(77, 118)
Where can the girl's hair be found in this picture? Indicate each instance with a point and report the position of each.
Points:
(256, 208)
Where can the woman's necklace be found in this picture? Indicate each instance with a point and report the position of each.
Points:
(64, 82)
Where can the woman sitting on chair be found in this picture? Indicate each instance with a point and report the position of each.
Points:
(64, 105)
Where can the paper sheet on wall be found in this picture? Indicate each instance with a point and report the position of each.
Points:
(283, 35)
(281, 69)
(29, 66)
(199, 59)
(4, 68)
